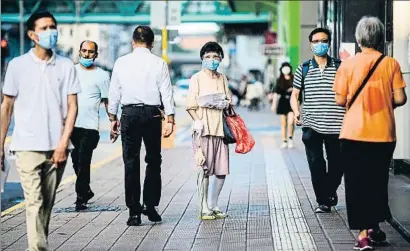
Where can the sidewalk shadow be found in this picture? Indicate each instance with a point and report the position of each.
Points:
(88, 210)
(12, 195)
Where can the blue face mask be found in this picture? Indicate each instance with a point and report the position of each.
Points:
(320, 49)
(86, 62)
(48, 38)
(211, 64)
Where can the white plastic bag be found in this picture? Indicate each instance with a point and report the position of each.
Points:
(9, 162)
(216, 101)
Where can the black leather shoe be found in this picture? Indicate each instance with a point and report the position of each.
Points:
(90, 195)
(334, 200)
(134, 220)
(81, 200)
(152, 214)
(80, 206)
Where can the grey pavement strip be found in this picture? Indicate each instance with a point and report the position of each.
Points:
(290, 229)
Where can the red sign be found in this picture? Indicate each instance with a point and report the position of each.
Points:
(270, 37)
(344, 55)
(3, 43)
(347, 50)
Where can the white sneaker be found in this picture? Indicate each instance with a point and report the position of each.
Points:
(290, 143)
(284, 145)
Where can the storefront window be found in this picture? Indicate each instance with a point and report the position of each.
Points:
(330, 24)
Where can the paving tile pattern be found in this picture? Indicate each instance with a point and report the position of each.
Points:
(291, 231)
(330, 231)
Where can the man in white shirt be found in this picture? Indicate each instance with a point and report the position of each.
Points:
(42, 89)
(140, 82)
(94, 83)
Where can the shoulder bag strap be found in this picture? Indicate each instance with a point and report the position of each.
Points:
(365, 80)
(305, 70)
(230, 112)
(337, 63)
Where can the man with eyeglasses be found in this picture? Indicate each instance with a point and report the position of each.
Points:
(94, 83)
(321, 118)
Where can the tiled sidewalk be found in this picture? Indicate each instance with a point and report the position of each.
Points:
(330, 231)
(268, 196)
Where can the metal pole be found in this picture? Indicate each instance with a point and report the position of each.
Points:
(165, 44)
(165, 35)
(77, 27)
(21, 10)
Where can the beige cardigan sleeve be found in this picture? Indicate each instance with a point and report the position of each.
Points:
(193, 93)
(227, 91)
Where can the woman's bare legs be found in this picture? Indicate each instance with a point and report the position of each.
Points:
(291, 129)
(283, 123)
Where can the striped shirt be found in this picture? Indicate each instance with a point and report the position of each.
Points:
(320, 111)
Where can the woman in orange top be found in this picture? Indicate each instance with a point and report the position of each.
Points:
(368, 133)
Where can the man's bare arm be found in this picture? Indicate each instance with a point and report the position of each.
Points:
(105, 101)
(6, 113)
(294, 100)
(70, 120)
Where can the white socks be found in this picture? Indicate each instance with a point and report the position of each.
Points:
(205, 187)
(202, 190)
(216, 191)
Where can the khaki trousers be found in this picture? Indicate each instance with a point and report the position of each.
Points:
(40, 180)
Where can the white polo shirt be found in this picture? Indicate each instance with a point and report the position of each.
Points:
(40, 89)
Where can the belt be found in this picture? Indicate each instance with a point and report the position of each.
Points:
(140, 105)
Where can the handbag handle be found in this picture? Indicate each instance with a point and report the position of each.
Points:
(365, 81)
(230, 112)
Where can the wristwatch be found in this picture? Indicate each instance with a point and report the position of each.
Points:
(113, 118)
(171, 121)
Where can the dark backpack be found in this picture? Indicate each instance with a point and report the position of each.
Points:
(305, 70)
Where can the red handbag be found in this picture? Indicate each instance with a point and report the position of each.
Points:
(244, 139)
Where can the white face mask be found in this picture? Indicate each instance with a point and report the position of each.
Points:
(286, 70)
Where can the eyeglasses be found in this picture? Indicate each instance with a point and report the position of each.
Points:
(325, 41)
(212, 57)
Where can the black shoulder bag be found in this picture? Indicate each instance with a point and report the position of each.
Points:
(366, 79)
(228, 138)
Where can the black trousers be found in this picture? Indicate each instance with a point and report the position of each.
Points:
(84, 141)
(141, 123)
(366, 182)
(325, 181)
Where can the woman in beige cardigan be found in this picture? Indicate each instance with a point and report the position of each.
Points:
(207, 98)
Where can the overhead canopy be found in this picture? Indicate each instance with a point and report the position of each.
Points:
(257, 8)
(138, 12)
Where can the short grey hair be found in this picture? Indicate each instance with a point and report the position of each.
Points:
(370, 32)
